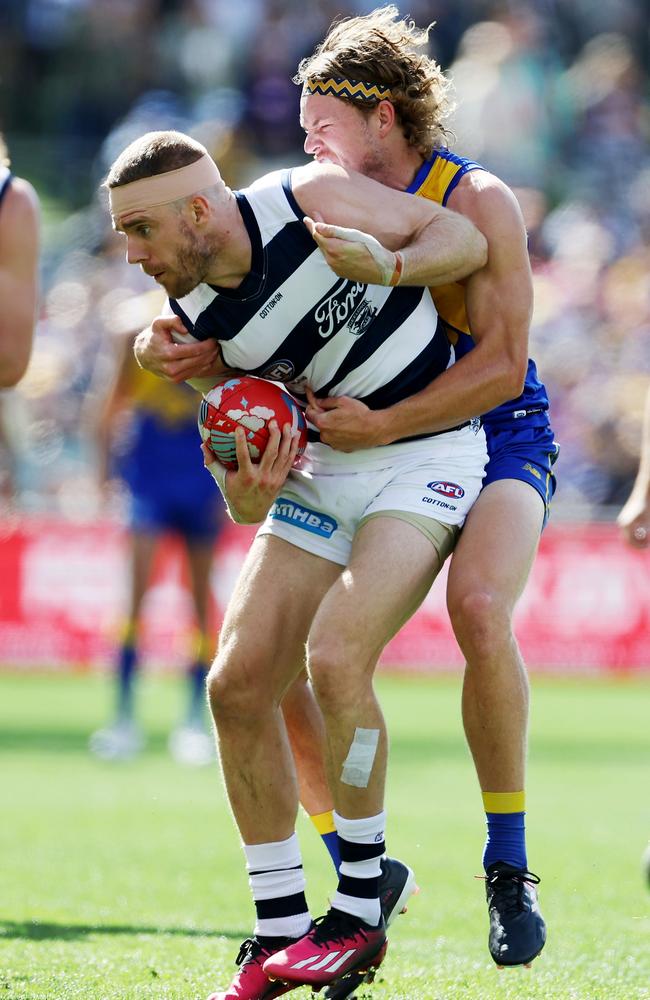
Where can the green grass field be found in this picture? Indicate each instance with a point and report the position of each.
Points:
(126, 881)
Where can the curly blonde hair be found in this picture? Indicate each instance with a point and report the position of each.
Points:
(381, 48)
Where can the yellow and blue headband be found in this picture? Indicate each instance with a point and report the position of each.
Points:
(355, 90)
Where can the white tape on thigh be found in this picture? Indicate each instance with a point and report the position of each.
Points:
(384, 259)
(357, 766)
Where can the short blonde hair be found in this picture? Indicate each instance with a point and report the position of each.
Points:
(381, 48)
(4, 152)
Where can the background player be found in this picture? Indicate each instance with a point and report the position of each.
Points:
(19, 250)
(634, 522)
(634, 518)
(148, 438)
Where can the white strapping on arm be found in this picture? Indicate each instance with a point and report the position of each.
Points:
(384, 259)
(357, 766)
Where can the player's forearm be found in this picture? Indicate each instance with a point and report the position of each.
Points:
(452, 399)
(448, 248)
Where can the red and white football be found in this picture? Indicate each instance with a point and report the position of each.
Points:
(250, 403)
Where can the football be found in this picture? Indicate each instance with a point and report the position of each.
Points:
(250, 403)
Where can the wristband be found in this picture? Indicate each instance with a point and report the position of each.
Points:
(396, 276)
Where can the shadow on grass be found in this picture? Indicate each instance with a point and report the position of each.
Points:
(36, 930)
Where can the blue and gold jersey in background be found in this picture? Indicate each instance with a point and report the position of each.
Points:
(160, 459)
(436, 179)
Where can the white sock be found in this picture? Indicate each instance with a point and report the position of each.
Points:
(277, 882)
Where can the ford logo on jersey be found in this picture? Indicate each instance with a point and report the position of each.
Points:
(446, 489)
(303, 517)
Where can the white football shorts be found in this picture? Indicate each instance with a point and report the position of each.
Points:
(323, 502)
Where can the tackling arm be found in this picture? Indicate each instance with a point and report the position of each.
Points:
(499, 307)
(436, 245)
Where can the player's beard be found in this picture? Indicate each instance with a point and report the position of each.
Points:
(194, 258)
(372, 163)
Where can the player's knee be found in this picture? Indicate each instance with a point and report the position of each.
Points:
(229, 696)
(481, 622)
(333, 680)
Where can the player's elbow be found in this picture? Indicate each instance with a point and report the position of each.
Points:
(514, 376)
(470, 257)
(517, 376)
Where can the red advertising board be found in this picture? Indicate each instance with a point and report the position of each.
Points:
(63, 594)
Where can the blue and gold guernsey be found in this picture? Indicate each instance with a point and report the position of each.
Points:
(161, 462)
(519, 437)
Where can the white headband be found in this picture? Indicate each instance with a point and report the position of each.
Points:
(161, 189)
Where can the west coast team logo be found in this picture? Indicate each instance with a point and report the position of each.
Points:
(533, 471)
(291, 512)
(452, 490)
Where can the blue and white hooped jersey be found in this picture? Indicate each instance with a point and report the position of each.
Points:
(295, 321)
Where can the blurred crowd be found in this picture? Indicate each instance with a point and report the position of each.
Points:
(551, 94)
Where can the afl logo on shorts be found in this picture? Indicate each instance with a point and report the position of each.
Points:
(446, 489)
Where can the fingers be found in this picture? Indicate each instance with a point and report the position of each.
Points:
(244, 460)
(208, 455)
(279, 455)
(314, 402)
(322, 232)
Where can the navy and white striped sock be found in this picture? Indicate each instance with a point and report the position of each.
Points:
(277, 882)
(361, 844)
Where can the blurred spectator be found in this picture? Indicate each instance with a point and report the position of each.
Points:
(147, 437)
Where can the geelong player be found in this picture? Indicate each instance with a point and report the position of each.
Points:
(351, 543)
(398, 138)
(19, 247)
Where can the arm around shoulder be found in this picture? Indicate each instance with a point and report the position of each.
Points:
(19, 252)
(499, 296)
(437, 245)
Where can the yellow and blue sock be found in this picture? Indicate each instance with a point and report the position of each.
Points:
(126, 669)
(506, 830)
(196, 675)
(324, 823)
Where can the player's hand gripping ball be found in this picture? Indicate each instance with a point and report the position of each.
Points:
(250, 403)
